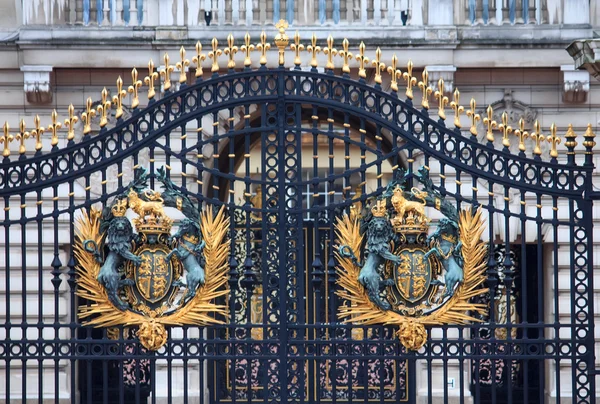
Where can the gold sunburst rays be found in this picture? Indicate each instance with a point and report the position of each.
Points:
(201, 310)
(359, 309)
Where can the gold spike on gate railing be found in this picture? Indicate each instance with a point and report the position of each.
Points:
(410, 80)
(71, 121)
(6, 139)
(330, 51)
(521, 134)
(442, 99)
(198, 59)
(87, 116)
(394, 73)
(313, 49)
(346, 56)
(506, 130)
(104, 108)
(362, 61)
(134, 88)
(554, 141)
(490, 124)
(475, 117)
(425, 89)
(263, 47)
(182, 65)
(570, 141)
(247, 48)
(230, 51)
(37, 133)
(458, 109)
(22, 136)
(150, 79)
(166, 73)
(54, 126)
(538, 138)
(379, 65)
(118, 98)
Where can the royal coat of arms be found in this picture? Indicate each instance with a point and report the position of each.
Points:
(138, 273)
(411, 276)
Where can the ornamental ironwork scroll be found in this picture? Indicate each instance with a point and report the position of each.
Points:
(150, 277)
(409, 278)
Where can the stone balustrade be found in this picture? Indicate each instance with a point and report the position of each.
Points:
(363, 13)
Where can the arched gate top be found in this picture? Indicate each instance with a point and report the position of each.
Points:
(334, 87)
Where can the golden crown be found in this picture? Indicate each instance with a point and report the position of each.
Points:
(119, 208)
(410, 224)
(379, 209)
(153, 224)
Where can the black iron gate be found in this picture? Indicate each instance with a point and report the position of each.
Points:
(286, 152)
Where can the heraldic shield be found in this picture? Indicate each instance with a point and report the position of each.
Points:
(138, 273)
(410, 276)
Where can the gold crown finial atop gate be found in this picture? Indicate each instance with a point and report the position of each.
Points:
(281, 40)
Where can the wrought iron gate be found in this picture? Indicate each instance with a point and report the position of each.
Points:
(282, 339)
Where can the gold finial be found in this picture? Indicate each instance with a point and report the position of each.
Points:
(379, 65)
(570, 143)
(410, 80)
(54, 127)
(71, 121)
(281, 40)
(490, 123)
(538, 138)
(247, 48)
(198, 59)
(87, 116)
(522, 134)
(424, 86)
(104, 107)
(395, 73)
(231, 50)
(346, 55)
(554, 141)
(475, 117)
(263, 47)
(118, 98)
(166, 74)
(506, 130)
(313, 49)
(150, 78)
(458, 109)
(362, 60)
(330, 51)
(589, 137)
(182, 64)
(442, 99)
(21, 136)
(6, 139)
(37, 133)
(379, 209)
(297, 47)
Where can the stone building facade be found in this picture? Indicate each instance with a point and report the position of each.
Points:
(508, 54)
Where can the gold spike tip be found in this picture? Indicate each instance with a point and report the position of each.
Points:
(589, 136)
(37, 132)
(182, 65)
(6, 139)
(297, 47)
(521, 134)
(554, 141)
(458, 109)
(570, 137)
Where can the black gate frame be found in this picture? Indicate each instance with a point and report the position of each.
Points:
(285, 96)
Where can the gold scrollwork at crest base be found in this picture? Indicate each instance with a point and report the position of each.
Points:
(360, 309)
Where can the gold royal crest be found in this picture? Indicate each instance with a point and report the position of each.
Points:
(409, 277)
(149, 277)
